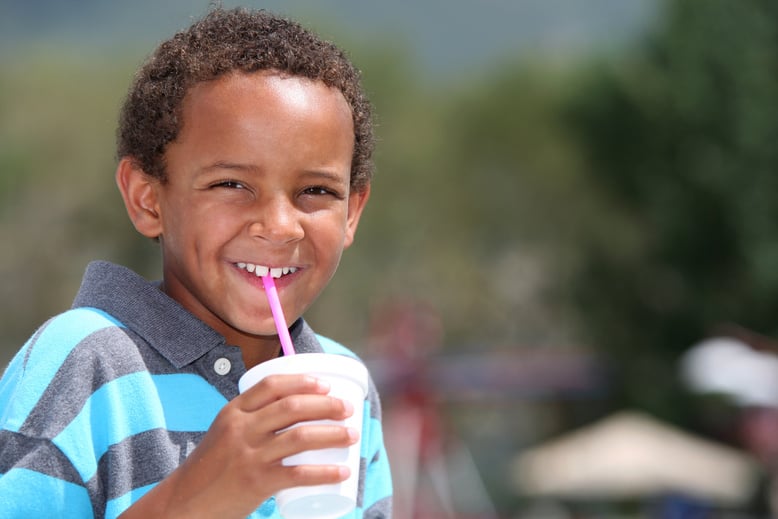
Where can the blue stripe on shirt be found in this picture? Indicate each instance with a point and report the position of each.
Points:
(330, 346)
(26, 493)
(142, 398)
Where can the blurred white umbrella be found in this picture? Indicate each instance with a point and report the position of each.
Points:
(631, 454)
(729, 366)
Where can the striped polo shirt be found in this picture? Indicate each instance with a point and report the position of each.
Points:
(108, 398)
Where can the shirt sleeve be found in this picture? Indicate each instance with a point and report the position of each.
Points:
(26, 492)
(36, 478)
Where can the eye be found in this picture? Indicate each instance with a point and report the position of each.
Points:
(321, 191)
(229, 184)
(317, 190)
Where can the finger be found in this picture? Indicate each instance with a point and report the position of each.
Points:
(310, 437)
(305, 475)
(280, 477)
(294, 409)
(276, 387)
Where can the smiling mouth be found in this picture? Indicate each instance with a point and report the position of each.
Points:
(261, 270)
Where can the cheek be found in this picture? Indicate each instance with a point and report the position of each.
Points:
(319, 241)
(331, 228)
(190, 225)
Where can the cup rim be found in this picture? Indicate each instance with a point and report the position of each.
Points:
(317, 363)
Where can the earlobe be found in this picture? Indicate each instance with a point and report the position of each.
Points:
(139, 192)
(356, 204)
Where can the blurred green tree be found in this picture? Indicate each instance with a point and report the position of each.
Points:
(681, 145)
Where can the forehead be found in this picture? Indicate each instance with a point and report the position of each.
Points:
(264, 119)
(270, 91)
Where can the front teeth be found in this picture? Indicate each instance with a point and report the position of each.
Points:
(260, 270)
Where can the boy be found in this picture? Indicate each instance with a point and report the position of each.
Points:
(244, 147)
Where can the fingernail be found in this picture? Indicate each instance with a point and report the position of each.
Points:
(348, 407)
(353, 434)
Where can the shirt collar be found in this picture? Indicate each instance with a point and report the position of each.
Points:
(161, 321)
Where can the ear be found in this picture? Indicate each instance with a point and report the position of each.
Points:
(139, 191)
(356, 204)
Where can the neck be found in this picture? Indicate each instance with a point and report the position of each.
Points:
(257, 355)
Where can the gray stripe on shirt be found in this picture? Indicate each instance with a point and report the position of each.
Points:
(148, 457)
(381, 509)
(61, 402)
(37, 454)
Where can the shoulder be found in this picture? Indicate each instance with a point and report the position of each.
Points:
(72, 326)
(373, 400)
(59, 337)
(331, 346)
(61, 349)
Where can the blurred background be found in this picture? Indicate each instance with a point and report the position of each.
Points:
(566, 280)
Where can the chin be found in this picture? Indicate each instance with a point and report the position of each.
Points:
(251, 328)
(255, 330)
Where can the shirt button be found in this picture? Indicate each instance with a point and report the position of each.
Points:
(222, 366)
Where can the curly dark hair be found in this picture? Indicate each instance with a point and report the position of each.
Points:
(222, 42)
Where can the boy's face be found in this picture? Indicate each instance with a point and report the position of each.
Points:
(259, 175)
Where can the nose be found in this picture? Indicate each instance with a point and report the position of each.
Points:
(276, 220)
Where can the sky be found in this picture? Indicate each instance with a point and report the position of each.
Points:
(442, 35)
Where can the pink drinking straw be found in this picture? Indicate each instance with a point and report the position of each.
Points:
(278, 314)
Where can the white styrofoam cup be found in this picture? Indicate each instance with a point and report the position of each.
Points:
(348, 379)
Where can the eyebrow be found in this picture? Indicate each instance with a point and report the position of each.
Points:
(220, 164)
(327, 175)
(323, 174)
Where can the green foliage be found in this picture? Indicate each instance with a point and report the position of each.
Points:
(460, 213)
(59, 207)
(681, 142)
